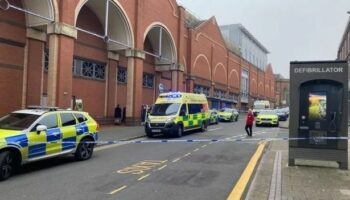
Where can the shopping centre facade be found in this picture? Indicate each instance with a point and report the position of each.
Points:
(119, 53)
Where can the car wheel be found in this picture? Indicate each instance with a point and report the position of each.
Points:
(7, 165)
(84, 150)
(231, 119)
(180, 131)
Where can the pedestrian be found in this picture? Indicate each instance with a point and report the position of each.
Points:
(143, 113)
(117, 115)
(124, 115)
(249, 123)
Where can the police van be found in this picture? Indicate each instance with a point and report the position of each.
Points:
(175, 113)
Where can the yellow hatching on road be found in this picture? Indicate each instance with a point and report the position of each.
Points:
(240, 186)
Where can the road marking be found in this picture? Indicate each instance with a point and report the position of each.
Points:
(118, 190)
(141, 167)
(177, 159)
(214, 129)
(196, 150)
(187, 154)
(143, 177)
(162, 167)
(205, 145)
(240, 186)
(107, 147)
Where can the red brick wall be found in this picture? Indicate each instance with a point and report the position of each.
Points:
(35, 71)
(92, 48)
(12, 44)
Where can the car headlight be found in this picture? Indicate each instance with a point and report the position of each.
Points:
(170, 120)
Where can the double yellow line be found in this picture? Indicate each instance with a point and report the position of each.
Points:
(242, 183)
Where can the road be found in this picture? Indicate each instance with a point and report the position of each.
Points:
(149, 171)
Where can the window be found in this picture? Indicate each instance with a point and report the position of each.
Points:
(233, 96)
(195, 108)
(199, 89)
(67, 119)
(17, 121)
(89, 69)
(148, 80)
(219, 94)
(165, 109)
(81, 118)
(46, 60)
(122, 75)
(183, 110)
(50, 121)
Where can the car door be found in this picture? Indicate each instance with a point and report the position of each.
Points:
(45, 142)
(69, 131)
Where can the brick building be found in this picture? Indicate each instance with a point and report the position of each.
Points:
(282, 91)
(344, 47)
(117, 53)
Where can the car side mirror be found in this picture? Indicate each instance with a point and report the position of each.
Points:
(41, 128)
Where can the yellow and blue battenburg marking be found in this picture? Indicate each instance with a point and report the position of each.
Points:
(19, 141)
(54, 140)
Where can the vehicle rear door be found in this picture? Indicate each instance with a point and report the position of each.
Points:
(69, 131)
(45, 142)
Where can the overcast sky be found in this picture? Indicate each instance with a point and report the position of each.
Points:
(290, 29)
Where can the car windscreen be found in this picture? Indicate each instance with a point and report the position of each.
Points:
(226, 110)
(259, 106)
(17, 121)
(165, 109)
(267, 112)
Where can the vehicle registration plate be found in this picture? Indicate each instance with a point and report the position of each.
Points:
(156, 130)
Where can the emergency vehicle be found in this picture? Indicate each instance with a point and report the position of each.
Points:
(260, 105)
(175, 113)
(40, 133)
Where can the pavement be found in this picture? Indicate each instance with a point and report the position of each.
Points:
(120, 133)
(274, 179)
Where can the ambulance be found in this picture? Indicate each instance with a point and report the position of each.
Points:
(175, 113)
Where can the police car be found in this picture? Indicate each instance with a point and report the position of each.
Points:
(39, 133)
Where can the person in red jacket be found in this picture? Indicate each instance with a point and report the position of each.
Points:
(249, 123)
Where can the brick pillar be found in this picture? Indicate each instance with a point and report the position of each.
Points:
(177, 77)
(35, 65)
(180, 82)
(113, 60)
(190, 85)
(134, 86)
(61, 49)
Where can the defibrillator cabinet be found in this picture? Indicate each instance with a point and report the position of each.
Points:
(318, 124)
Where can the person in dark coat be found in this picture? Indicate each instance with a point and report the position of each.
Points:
(249, 123)
(143, 113)
(124, 115)
(117, 115)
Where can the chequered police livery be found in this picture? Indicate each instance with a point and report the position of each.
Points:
(55, 141)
